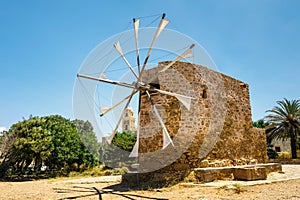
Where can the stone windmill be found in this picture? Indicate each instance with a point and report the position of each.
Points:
(189, 116)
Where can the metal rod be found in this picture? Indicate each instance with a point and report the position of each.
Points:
(106, 81)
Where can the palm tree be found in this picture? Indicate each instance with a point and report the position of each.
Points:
(284, 122)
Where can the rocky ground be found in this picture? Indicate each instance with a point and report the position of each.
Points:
(278, 186)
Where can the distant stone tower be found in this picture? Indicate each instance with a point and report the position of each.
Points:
(128, 122)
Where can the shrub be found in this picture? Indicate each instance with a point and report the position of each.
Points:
(272, 154)
(50, 142)
(284, 155)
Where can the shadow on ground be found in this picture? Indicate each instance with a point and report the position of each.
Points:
(115, 190)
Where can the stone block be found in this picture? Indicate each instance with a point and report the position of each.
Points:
(271, 167)
(250, 173)
(286, 161)
(213, 173)
(206, 175)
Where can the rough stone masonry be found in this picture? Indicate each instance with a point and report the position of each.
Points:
(217, 131)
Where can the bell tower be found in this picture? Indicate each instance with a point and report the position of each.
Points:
(128, 122)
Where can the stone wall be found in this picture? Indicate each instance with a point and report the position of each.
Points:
(217, 130)
(281, 145)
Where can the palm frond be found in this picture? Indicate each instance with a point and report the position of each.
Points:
(284, 120)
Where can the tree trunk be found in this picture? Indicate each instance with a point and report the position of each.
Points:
(293, 147)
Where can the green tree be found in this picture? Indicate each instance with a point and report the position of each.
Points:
(26, 142)
(284, 122)
(88, 137)
(52, 141)
(260, 124)
(117, 153)
(125, 140)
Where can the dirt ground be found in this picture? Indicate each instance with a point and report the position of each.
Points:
(88, 188)
(61, 190)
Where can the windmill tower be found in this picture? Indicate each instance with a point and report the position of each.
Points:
(189, 116)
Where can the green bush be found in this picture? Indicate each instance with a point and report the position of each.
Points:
(125, 140)
(117, 153)
(50, 142)
(284, 155)
(272, 154)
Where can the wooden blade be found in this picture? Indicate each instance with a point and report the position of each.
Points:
(102, 75)
(166, 137)
(105, 110)
(163, 23)
(185, 100)
(110, 138)
(186, 54)
(119, 49)
(136, 23)
(135, 151)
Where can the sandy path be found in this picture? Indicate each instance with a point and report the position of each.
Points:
(96, 188)
(59, 190)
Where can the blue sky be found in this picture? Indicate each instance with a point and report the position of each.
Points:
(43, 43)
